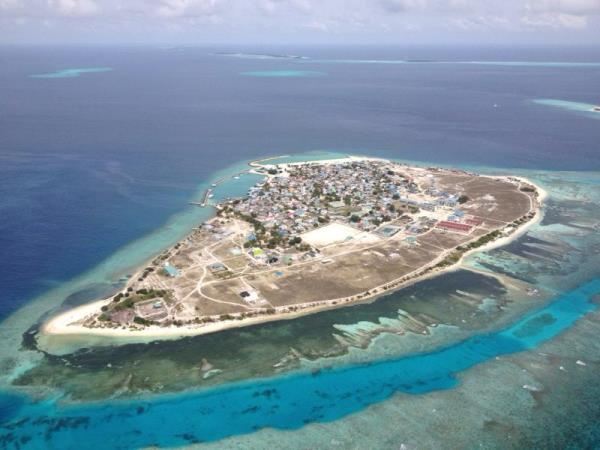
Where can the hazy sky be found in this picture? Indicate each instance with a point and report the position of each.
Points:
(300, 21)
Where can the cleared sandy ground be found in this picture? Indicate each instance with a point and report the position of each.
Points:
(333, 233)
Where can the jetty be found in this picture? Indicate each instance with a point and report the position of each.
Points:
(208, 193)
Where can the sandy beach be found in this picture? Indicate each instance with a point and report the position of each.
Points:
(69, 323)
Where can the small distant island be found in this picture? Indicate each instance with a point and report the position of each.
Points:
(311, 236)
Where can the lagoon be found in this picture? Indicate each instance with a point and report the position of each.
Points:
(72, 73)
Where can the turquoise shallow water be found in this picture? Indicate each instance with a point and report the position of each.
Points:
(297, 398)
(541, 64)
(585, 108)
(139, 145)
(72, 73)
(287, 402)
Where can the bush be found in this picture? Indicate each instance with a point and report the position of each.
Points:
(463, 199)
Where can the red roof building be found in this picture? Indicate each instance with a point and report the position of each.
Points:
(453, 226)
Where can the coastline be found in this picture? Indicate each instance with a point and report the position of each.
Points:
(63, 324)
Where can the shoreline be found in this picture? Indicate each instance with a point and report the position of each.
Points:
(63, 323)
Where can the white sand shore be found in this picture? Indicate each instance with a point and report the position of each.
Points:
(69, 322)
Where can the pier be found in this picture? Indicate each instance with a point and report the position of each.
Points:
(208, 193)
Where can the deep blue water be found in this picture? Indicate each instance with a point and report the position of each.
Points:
(90, 163)
(87, 164)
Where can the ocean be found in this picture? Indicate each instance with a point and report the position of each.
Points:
(101, 149)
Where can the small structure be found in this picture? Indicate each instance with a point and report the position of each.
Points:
(388, 230)
(171, 270)
(152, 309)
(217, 267)
(410, 240)
(453, 226)
(249, 296)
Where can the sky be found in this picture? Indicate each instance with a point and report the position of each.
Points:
(272, 22)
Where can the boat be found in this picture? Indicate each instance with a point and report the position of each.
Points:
(596, 109)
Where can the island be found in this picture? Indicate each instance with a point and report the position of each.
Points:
(311, 236)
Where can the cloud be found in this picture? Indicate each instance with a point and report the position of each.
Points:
(401, 6)
(74, 8)
(574, 7)
(555, 20)
(9, 4)
(569, 14)
(310, 20)
(433, 6)
(272, 7)
(188, 8)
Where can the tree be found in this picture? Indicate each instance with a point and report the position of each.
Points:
(463, 199)
(354, 218)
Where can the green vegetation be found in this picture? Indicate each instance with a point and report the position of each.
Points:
(141, 321)
(455, 256)
(463, 199)
(130, 298)
(527, 189)
(484, 239)
(295, 240)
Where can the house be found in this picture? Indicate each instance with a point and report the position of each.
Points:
(217, 267)
(453, 226)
